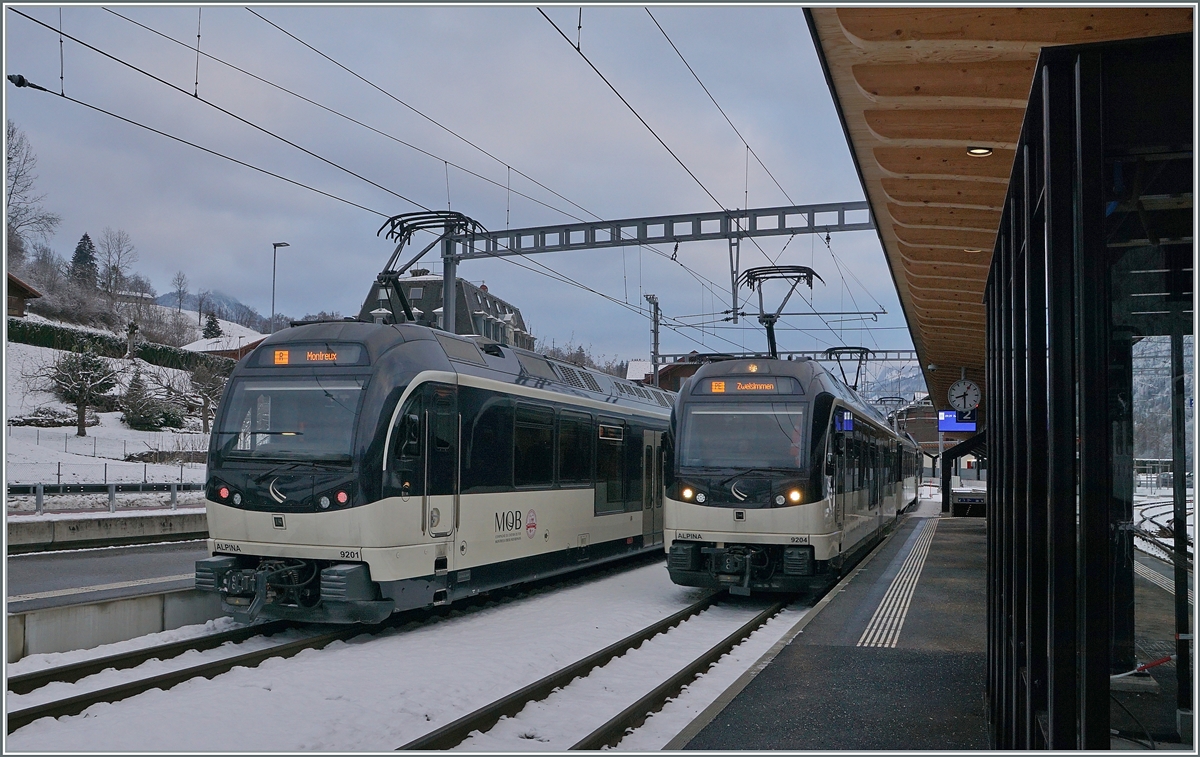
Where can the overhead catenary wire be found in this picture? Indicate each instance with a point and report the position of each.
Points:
(676, 326)
(507, 186)
(750, 151)
(210, 151)
(698, 277)
(229, 113)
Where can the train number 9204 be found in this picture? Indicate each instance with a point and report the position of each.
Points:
(350, 554)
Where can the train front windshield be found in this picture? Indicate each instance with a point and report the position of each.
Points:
(309, 418)
(744, 435)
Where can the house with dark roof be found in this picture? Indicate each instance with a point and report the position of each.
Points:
(18, 293)
(476, 311)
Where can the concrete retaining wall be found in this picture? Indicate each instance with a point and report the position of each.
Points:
(34, 534)
(62, 629)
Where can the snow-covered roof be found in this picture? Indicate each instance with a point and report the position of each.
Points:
(638, 369)
(224, 342)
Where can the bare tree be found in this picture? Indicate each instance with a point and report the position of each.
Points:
(80, 378)
(202, 296)
(209, 385)
(180, 284)
(23, 212)
(117, 256)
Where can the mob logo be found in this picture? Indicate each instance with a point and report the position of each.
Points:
(509, 520)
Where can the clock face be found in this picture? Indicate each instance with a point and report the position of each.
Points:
(964, 395)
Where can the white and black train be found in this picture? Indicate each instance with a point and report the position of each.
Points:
(358, 469)
(780, 477)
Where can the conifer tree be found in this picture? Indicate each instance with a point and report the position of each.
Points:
(212, 329)
(83, 262)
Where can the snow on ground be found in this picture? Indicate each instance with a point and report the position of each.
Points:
(38, 455)
(90, 506)
(112, 677)
(377, 693)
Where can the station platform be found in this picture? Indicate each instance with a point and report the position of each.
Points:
(896, 659)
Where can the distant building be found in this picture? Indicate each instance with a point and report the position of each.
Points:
(18, 293)
(476, 311)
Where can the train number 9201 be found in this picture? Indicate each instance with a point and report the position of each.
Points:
(350, 554)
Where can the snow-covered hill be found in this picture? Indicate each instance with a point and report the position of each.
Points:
(51, 455)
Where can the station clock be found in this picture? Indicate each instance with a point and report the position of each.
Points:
(964, 395)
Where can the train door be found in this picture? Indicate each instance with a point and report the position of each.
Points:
(443, 433)
(652, 494)
(833, 477)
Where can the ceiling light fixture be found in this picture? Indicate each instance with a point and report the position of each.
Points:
(972, 249)
(979, 152)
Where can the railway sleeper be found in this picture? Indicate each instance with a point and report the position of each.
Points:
(742, 568)
(293, 589)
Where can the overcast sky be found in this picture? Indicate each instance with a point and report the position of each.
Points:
(502, 78)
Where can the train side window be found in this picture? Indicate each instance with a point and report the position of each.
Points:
(575, 434)
(445, 422)
(533, 449)
(610, 466)
(488, 434)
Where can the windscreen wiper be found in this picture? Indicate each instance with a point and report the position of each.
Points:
(744, 471)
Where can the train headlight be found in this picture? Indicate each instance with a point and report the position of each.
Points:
(700, 497)
(223, 492)
(779, 499)
(237, 498)
(323, 502)
(794, 496)
(434, 517)
(687, 492)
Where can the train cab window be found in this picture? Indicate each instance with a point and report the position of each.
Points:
(744, 435)
(533, 450)
(575, 432)
(487, 420)
(610, 466)
(291, 418)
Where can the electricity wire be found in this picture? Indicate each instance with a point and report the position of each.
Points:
(551, 273)
(507, 187)
(209, 151)
(695, 275)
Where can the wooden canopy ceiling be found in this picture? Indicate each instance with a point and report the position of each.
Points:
(915, 89)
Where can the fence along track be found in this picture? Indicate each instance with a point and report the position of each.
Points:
(27, 682)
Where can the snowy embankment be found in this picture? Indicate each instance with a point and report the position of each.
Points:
(53, 455)
(378, 693)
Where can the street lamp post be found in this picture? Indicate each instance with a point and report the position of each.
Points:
(274, 253)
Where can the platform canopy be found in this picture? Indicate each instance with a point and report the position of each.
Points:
(916, 89)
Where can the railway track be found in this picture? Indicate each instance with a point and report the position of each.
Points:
(613, 730)
(29, 682)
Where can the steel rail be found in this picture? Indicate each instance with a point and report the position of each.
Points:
(27, 682)
(611, 733)
(453, 733)
(77, 704)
